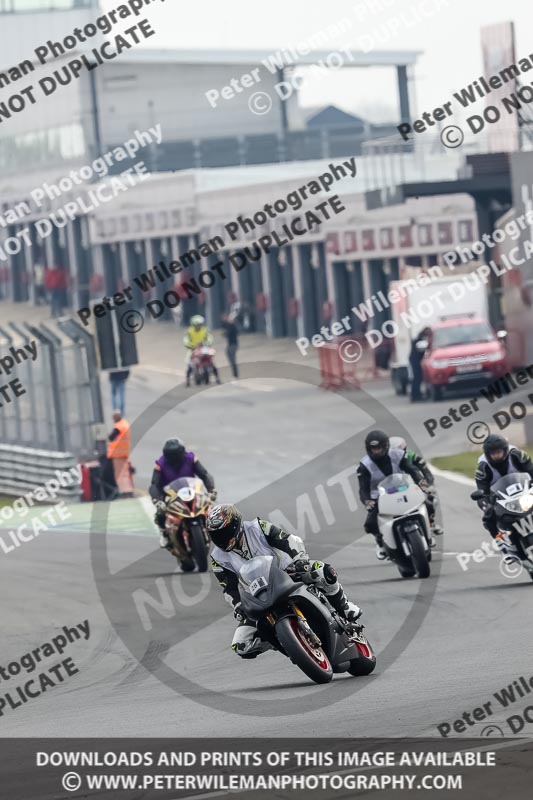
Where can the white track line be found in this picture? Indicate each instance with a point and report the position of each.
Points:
(452, 476)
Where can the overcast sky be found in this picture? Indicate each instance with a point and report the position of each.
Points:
(449, 39)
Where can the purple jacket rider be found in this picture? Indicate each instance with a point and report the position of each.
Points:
(164, 473)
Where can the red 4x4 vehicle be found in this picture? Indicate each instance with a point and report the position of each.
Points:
(462, 352)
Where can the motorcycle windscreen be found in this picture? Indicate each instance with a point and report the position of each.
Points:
(187, 496)
(255, 575)
(395, 483)
(399, 495)
(514, 492)
(261, 584)
(195, 485)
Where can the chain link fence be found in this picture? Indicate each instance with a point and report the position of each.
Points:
(55, 366)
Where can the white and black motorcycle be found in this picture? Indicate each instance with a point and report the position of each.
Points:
(403, 522)
(512, 499)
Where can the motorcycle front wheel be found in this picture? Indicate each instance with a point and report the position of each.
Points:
(309, 657)
(418, 553)
(366, 663)
(197, 543)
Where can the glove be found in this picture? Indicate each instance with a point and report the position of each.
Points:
(160, 505)
(300, 568)
(485, 502)
(424, 485)
(238, 612)
(370, 504)
(213, 495)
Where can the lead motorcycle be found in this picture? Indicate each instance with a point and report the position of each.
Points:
(300, 623)
(512, 499)
(403, 522)
(202, 362)
(188, 503)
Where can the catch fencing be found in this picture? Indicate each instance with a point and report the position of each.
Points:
(62, 405)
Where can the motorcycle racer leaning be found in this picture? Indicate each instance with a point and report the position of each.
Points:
(197, 333)
(499, 458)
(381, 461)
(237, 541)
(176, 462)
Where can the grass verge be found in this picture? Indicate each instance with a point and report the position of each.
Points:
(464, 463)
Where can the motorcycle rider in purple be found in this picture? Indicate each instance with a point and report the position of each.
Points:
(176, 462)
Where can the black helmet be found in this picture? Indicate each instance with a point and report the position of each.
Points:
(492, 444)
(174, 452)
(377, 445)
(224, 526)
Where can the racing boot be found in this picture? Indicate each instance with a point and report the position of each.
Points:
(434, 530)
(164, 541)
(381, 553)
(325, 576)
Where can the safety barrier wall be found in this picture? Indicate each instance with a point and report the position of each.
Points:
(23, 469)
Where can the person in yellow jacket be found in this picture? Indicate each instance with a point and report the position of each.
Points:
(198, 333)
(118, 453)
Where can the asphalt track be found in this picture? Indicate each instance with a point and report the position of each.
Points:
(444, 645)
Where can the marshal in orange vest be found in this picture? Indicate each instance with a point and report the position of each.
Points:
(120, 447)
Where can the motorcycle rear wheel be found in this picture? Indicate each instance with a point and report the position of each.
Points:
(199, 548)
(311, 659)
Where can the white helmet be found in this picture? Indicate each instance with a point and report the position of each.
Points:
(398, 443)
(197, 320)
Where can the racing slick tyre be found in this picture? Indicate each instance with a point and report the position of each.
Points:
(418, 553)
(406, 572)
(305, 654)
(199, 548)
(366, 663)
